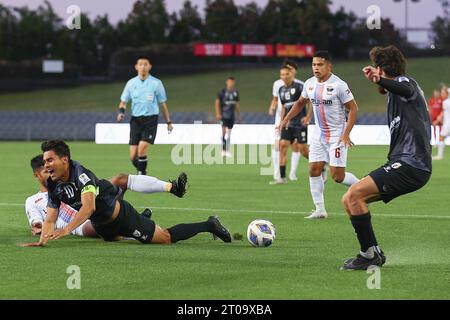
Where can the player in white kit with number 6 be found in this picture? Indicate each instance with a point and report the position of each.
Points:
(330, 97)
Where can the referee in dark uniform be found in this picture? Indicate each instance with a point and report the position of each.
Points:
(147, 95)
(409, 160)
(227, 103)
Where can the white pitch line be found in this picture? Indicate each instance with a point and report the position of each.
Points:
(389, 215)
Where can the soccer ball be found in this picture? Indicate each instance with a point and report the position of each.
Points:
(261, 233)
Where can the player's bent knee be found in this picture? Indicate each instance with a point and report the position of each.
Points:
(120, 180)
(161, 236)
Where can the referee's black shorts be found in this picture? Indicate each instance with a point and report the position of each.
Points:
(143, 129)
(396, 178)
(129, 223)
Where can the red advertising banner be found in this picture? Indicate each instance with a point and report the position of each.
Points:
(254, 50)
(294, 50)
(213, 49)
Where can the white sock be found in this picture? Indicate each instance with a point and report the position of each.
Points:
(316, 186)
(146, 184)
(295, 158)
(369, 254)
(441, 147)
(349, 179)
(276, 163)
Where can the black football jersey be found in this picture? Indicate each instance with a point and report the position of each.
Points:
(288, 96)
(410, 127)
(80, 180)
(228, 100)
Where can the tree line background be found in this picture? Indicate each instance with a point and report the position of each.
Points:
(34, 34)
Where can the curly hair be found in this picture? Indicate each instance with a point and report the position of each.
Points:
(390, 59)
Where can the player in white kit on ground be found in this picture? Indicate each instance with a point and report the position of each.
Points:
(330, 97)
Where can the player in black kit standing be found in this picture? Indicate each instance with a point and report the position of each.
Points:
(409, 160)
(227, 103)
(296, 133)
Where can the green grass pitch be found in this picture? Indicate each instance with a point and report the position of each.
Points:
(303, 262)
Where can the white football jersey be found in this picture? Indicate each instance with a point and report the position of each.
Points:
(36, 210)
(328, 99)
(275, 90)
(446, 110)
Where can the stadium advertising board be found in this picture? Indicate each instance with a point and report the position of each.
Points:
(294, 50)
(213, 49)
(254, 50)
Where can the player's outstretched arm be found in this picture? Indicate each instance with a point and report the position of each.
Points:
(295, 110)
(377, 76)
(85, 212)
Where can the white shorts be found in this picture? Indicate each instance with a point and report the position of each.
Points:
(60, 224)
(332, 153)
(445, 130)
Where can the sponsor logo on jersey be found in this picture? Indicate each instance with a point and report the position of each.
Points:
(84, 178)
(321, 101)
(136, 233)
(395, 123)
(330, 89)
(292, 90)
(311, 88)
(396, 165)
(37, 200)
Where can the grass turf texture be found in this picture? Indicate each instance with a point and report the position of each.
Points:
(303, 262)
(198, 92)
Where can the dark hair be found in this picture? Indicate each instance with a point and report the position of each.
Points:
(390, 59)
(284, 66)
(230, 78)
(37, 163)
(290, 63)
(59, 147)
(144, 57)
(324, 54)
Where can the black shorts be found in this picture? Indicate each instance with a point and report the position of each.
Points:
(229, 123)
(129, 223)
(291, 134)
(396, 178)
(143, 129)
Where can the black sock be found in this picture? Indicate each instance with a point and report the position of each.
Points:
(189, 230)
(224, 144)
(142, 164)
(364, 231)
(283, 172)
(135, 162)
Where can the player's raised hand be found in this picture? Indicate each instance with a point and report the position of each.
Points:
(372, 74)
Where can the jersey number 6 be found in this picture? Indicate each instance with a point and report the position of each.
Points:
(337, 153)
